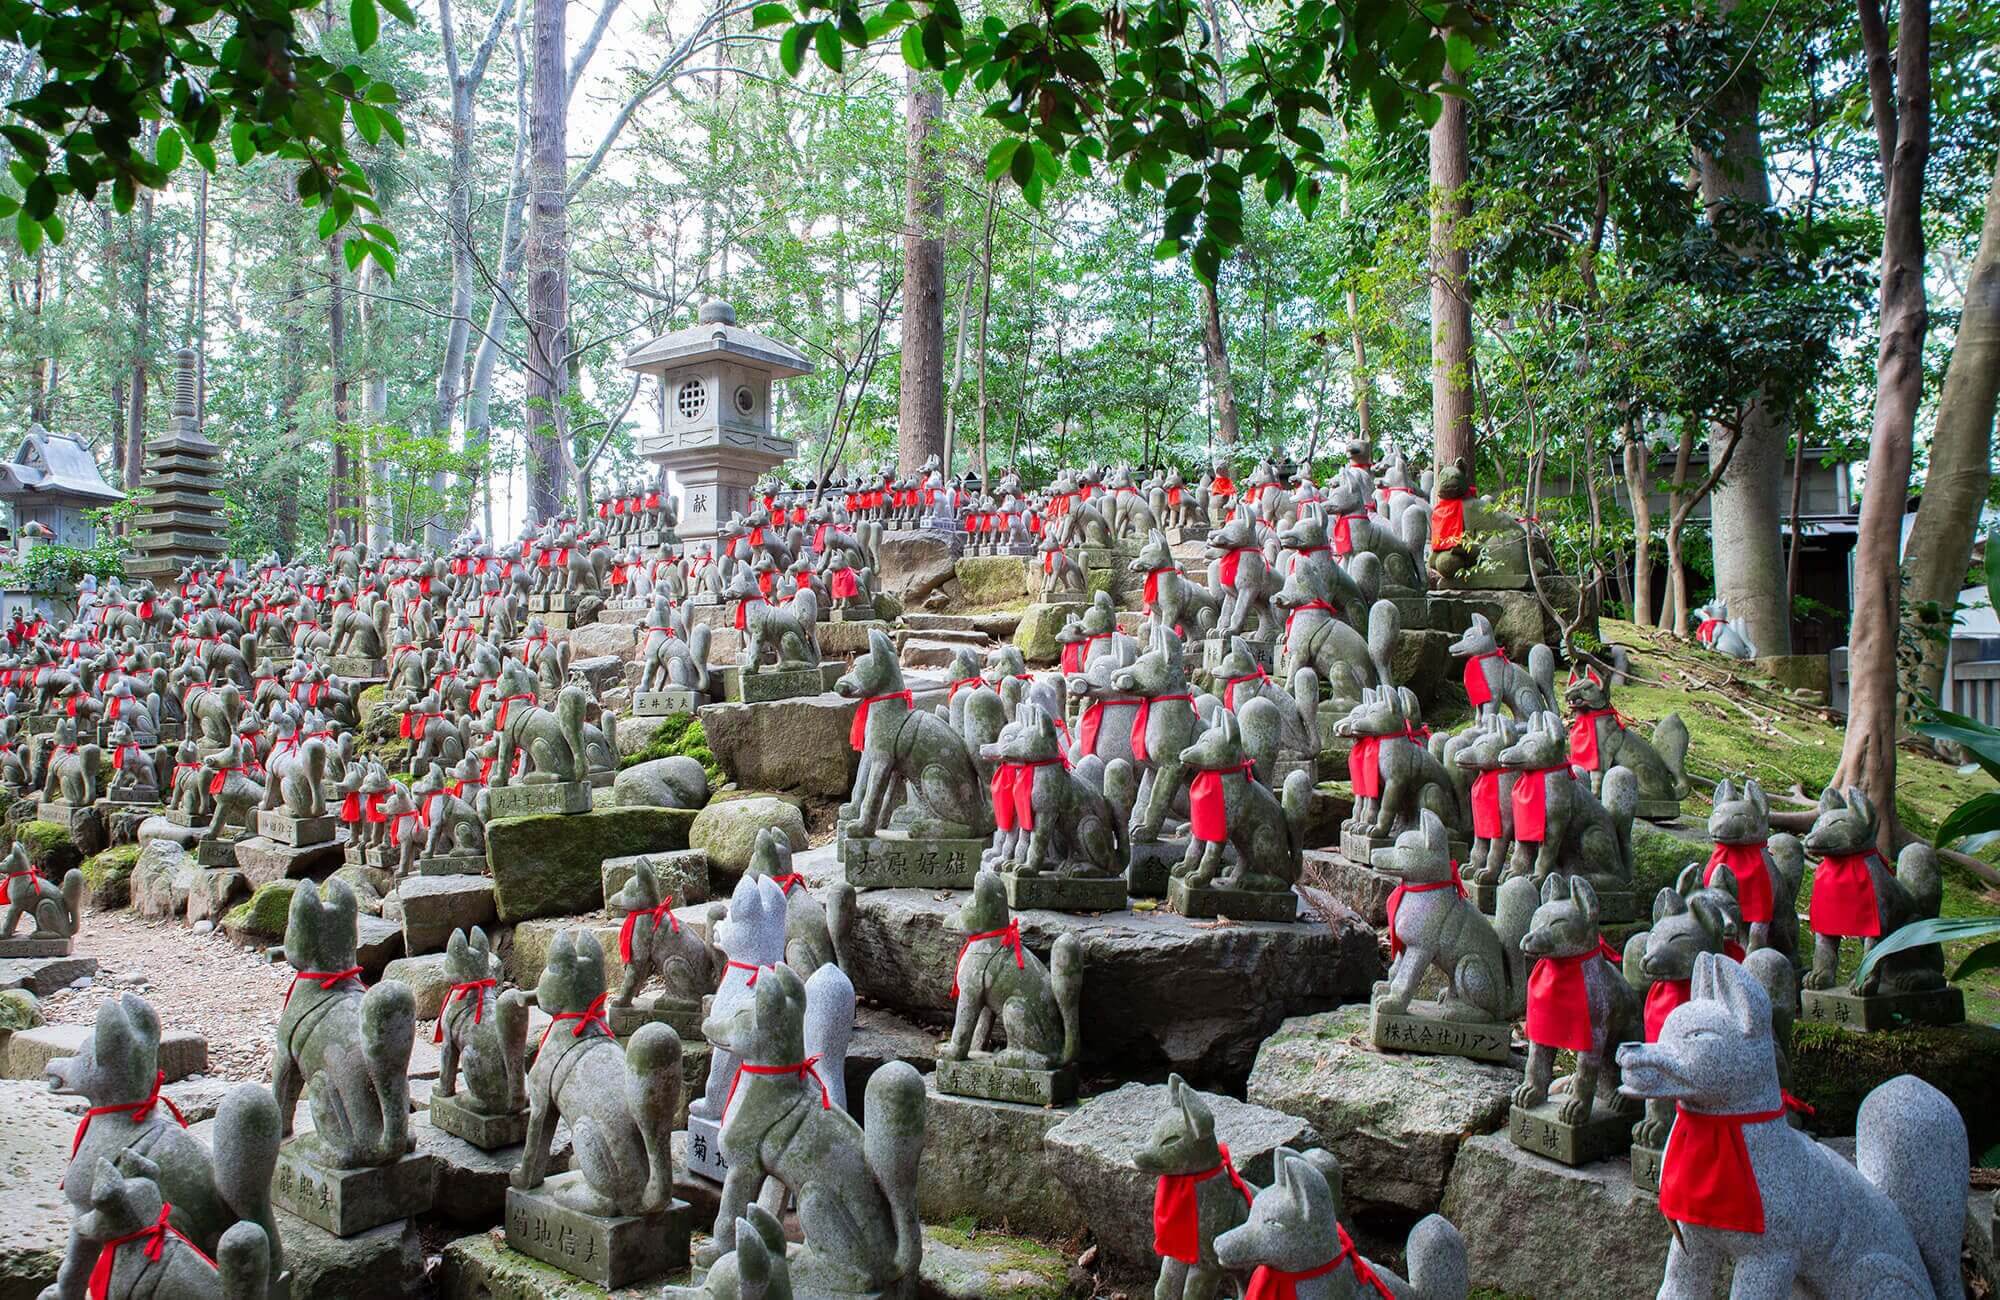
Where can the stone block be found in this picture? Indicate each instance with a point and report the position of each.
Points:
(1396, 1121)
(767, 685)
(263, 860)
(28, 1052)
(29, 947)
(553, 866)
(610, 1251)
(42, 976)
(385, 1263)
(1064, 893)
(1035, 634)
(538, 799)
(481, 1267)
(428, 980)
(378, 942)
(1360, 887)
(434, 906)
(1543, 1132)
(473, 1177)
(34, 1152)
(214, 892)
(891, 862)
(296, 832)
(452, 864)
(1534, 1227)
(349, 1201)
(1424, 1029)
(1232, 984)
(983, 1079)
(727, 829)
(991, 1266)
(217, 850)
(1237, 904)
(1092, 1148)
(988, 1161)
(683, 874)
(676, 781)
(1850, 1010)
(796, 746)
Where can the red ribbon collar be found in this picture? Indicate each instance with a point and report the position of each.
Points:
(1269, 1283)
(475, 990)
(857, 735)
(590, 1015)
(665, 911)
(326, 979)
(154, 1235)
(1009, 936)
(1706, 1177)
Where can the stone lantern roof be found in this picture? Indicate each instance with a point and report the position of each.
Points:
(54, 466)
(715, 336)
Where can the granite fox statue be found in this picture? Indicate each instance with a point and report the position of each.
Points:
(855, 1184)
(757, 1269)
(1570, 955)
(1395, 775)
(1278, 721)
(1856, 895)
(1493, 681)
(907, 753)
(1767, 868)
(52, 911)
(655, 945)
(1164, 725)
(1242, 581)
(1559, 825)
(346, 1050)
(482, 1030)
(1488, 792)
(1051, 819)
(751, 933)
(619, 1103)
(1789, 1210)
(1599, 740)
(1726, 636)
(997, 977)
(117, 1073)
(1170, 597)
(1293, 1244)
(1229, 807)
(142, 1255)
(1199, 1195)
(1432, 925)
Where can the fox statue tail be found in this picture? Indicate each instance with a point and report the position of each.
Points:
(829, 1024)
(893, 1140)
(1066, 977)
(571, 705)
(243, 1261)
(1542, 671)
(1514, 914)
(1670, 739)
(1385, 624)
(1438, 1266)
(1906, 1132)
(1621, 800)
(247, 1126)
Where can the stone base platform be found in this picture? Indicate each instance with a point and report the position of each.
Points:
(1149, 867)
(888, 861)
(216, 853)
(610, 1251)
(1361, 887)
(987, 1160)
(1850, 1010)
(525, 799)
(661, 704)
(42, 976)
(348, 1201)
(359, 668)
(627, 1021)
(449, 1114)
(1424, 1029)
(1236, 904)
(452, 864)
(295, 832)
(31, 947)
(704, 1151)
(740, 687)
(1542, 1131)
(990, 1082)
(1646, 1167)
(1065, 893)
(473, 1182)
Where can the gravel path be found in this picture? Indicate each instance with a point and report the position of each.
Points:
(197, 982)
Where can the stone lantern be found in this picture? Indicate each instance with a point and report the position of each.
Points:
(719, 438)
(53, 485)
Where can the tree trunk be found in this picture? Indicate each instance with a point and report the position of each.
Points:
(1451, 310)
(1638, 473)
(1744, 511)
(142, 346)
(1902, 106)
(985, 313)
(378, 474)
(548, 265)
(920, 405)
(198, 301)
(340, 514)
(1215, 350)
(286, 486)
(1673, 616)
(958, 363)
(1955, 486)
(479, 390)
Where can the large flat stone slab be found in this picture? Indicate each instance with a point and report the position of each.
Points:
(28, 1052)
(988, 1161)
(1396, 1120)
(1092, 1151)
(263, 860)
(1160, 992)
(1534, 1227)
(472, 1183)
(434, 906)
(481, 1267)
(553, 865)
(34, 1151)
(385, 1263)
(42, 976)
(798, 746)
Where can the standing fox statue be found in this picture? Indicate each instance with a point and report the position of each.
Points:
(1743, 1188)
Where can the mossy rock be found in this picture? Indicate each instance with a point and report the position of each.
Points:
(1035, 634)
(109, 876)
(1658, 858)
(680, 734)
(264, 915)
(19, 1010)
(1833, 1069)
(998, 581)
(379, 725)
(960, 1264)
(50, 847)
(553, 865)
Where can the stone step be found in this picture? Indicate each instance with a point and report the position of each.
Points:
(28, 1052)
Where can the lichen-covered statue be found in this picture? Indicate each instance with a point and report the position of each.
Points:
(482, 1038)
(53, 911)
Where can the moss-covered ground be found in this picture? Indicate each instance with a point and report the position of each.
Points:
(679, 734)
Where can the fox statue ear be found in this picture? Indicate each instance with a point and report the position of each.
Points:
(1829, 799)
(1719, 979)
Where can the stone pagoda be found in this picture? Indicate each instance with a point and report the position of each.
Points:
(719, 437)
(183, 523)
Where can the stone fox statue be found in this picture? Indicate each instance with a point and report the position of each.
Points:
(907, 752)
(855, 1184)
(1789, 1210)
(1039, 1007)
(1493, 681)
(1768, 868)
(349, 1051)
(816, 930)
(553, 739)
(654, 944)
(482, 1030)
(52, 911)
(141, 1257)
(1293, 1244)
(1564, 932)
(1856, 895)
(1433, 926)
(1599, 740)
(1199, 1195)
(117, 1074)
(619, 1103)
(1230, 807)
(1052, 820)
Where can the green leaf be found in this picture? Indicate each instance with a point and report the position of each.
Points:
(1974, 736)
(913, 48)
(404, 14)
(168, 153)
(769, 15)
(380, 92)
(1459, 51)
(792, 48)
(52, 225)
(1983, 958)
(1207, 262)
(365, 121)
(1993, 569)
(826, 42)
(1918, 934)
(392, 126)
(205, 155)
(1975, 816)
(1429, 108)
(1166, 248)
(852, 29)
(367, 23)
(329, 221)
(1001, 156)
(241, 145)
(8, 206)
(1021, 166)
(354, 251)
(28, 231)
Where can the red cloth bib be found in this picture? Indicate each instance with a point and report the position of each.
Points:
(1843, 898)
(1705, 1174)
(846, 584)
(1559, 1000)
(1009, 936)
(1753, 879)
(1144, 715)
(1231, 559)
(155, 1238)
(1208, 815)
(1177, 1209)
(1364, 767)
(1343, 533)
(1487, 823)
(1661, 999)
(857, 735)
(1448, 524)
(1476, 688)
(1152, 593)
(1531, 803)
(1396, 900)
(1583, 738)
